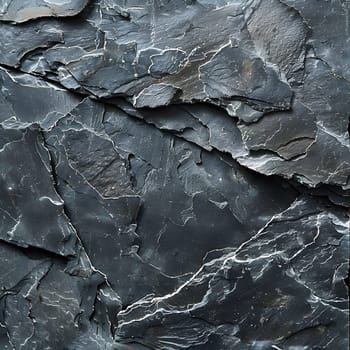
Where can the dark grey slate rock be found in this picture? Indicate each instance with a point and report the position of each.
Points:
(25, 10)
(174, 174)
(26, 178)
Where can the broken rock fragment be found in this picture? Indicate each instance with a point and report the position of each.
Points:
(25, 10)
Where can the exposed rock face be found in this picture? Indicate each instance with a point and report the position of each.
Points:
(174, 174)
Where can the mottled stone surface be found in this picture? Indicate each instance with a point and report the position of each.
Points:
(174, 174)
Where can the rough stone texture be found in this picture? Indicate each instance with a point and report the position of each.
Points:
(174, 174)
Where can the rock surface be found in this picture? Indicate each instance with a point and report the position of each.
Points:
(174, 174)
